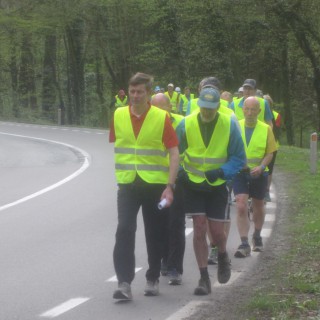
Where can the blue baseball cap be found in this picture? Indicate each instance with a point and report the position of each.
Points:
(209, 98)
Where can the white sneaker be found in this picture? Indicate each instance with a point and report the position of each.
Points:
(123, 292)
(152, 288)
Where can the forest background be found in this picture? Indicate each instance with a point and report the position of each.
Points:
(74, 55)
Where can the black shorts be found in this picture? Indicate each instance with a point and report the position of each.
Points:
(256, 188)
(213, 203)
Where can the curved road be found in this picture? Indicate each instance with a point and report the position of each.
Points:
(58, 219)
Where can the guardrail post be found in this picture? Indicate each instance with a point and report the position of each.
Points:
(313, 153)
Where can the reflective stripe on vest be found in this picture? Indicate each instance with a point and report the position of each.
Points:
(199, 158)
(256, 149)
(144, 155)
(239, 111)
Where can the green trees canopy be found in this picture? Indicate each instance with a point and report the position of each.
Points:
(76, 54)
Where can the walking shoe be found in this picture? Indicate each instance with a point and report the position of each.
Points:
(267, 197)
(213, 256)
(224, 269)
(174, 277)
(203, 288)
(164, 269)
(257, 245)
(152, 288)
(243, 251)
(123, 292)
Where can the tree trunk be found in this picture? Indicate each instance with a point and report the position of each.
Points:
(286, 91)
(49, 93)
(27, 84)
(76, 86)
(14, 79)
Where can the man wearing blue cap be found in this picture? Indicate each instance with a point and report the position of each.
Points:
(213, 153)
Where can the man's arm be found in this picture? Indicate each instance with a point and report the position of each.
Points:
(257, 171)
(174, 164)
(236, 153)
(173, 170)
(270, 148)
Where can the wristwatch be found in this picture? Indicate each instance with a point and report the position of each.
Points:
(263, 167)
(172, 186)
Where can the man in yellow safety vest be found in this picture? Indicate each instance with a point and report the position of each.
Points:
(143, 137)
(213, 153)
(252, 180)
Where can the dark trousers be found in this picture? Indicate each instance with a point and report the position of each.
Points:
(175, 233)
(130, 198)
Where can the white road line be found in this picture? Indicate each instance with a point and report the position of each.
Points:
(115, 279)
(271, 205)
(188, 231)
(64, 307)
(270, 217)
(85, 165)
(266, 232)
(187, 311)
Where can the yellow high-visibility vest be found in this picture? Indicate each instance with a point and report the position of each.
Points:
(224, 107)
(121, 103)
(145, 155)
(198, 158)
(256, 149)
(177, 118)
(174, 100)
(193, 105)
(186, 101)
(275, 116)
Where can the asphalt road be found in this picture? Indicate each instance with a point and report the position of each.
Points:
(57, 224)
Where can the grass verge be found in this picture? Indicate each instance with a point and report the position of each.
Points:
(294, 289)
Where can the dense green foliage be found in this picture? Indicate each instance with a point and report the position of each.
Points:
(77, 54)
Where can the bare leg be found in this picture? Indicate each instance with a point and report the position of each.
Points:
(258, 213)
(200, 244)
(243, 222)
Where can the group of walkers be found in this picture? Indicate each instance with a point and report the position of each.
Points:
(188, 164)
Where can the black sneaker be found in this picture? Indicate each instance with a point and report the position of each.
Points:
(224, 269)
(243, 250)
(123, 292)
(257, 245)
(203, 288)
